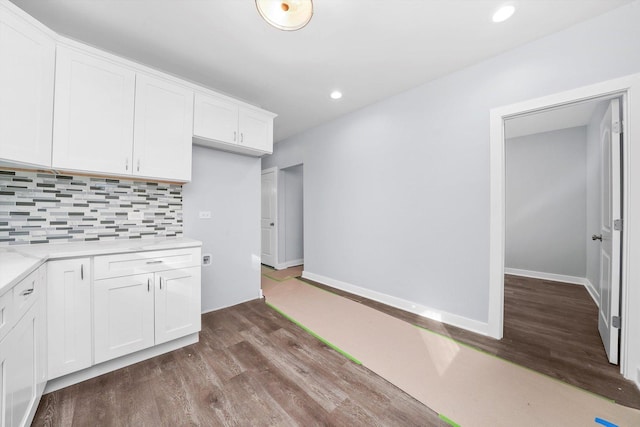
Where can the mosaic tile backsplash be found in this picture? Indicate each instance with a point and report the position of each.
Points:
(47, 208)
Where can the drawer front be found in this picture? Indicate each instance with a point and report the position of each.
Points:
(108, 266)
(25, 293)
(6, 316)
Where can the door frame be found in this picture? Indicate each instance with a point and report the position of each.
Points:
(276, 226)
(628, 88)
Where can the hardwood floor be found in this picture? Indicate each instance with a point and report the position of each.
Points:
(251, 367)
(549, 327)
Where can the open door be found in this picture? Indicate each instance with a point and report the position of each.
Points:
(610, 231)
(268, 217)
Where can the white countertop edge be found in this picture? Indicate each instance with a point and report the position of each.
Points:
(17, 262)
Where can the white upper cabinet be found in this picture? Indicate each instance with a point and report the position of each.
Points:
(163, 129)
(232, 126)
(216, 118)
(256, 130)
(27, 58)
(93, 126)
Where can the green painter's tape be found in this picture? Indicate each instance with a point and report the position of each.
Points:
(448, 421)
(310, 332)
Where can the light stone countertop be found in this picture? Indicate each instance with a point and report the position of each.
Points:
(16, 262)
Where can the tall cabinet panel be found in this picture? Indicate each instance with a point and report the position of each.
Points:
(27, 58)
(69, 316)
(93, 123)
(163, 129)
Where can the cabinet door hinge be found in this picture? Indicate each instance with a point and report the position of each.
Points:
(616, 321)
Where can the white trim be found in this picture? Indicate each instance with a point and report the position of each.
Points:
(402, 304)
(595, 295)
(630, 277)
(275, 220)
(120, 362)
(574, 280)
(287, 264)
(258, 297)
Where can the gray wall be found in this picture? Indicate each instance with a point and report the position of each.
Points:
(397, 193)
(546, 195)
(593, 197)
(228, 185)
(291, 221)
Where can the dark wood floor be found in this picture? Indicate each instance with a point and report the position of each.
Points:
(251, 367)
(549, 327)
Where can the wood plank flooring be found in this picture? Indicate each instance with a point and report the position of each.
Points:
(251, 367)
(549, 327)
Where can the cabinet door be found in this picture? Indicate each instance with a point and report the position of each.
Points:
(177, 303)
(68, 316)
(215, 118)
(27, 56)
(21, 372)
(93, 120)
(123, 315)
(256, 130)
(163, 129)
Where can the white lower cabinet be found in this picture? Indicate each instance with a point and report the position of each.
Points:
(69, 316)
(177, 303)
(21, 356)
(135, 312)
(123, 315)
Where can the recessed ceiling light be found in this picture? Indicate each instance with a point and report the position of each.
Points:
(336, 94)
(503, 13)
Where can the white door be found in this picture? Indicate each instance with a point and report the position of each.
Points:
(93, 114)
(177, 303)
(268, 221)
(27, 56)
(163, 129)
(122, 315)
(68, 316)
(610, 234)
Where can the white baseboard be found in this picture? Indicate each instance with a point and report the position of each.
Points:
(210, 309)
(412, 307)
(287, 264)
(574, 280)
(120, 362)
(595, 296)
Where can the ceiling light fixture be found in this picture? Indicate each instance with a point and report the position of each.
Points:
(287, 15)
(504, 13)
(336, 94)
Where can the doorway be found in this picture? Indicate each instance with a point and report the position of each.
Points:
(282, 221)
(623, 88)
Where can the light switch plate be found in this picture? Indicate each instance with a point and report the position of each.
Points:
(204, 215)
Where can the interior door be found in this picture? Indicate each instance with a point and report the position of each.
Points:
(610, 233)
(268, 220)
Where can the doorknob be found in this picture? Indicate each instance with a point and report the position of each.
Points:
(272, 224)
(597, 237)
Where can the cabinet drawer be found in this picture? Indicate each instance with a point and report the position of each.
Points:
(6, 317)
(25, 293)
(108, 266)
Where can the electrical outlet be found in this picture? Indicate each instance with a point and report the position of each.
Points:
(135, 216)
(206, 259)
(204, 215)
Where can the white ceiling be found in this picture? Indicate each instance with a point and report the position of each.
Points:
(369, 49)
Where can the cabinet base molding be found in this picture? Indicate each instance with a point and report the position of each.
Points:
(121, 362)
